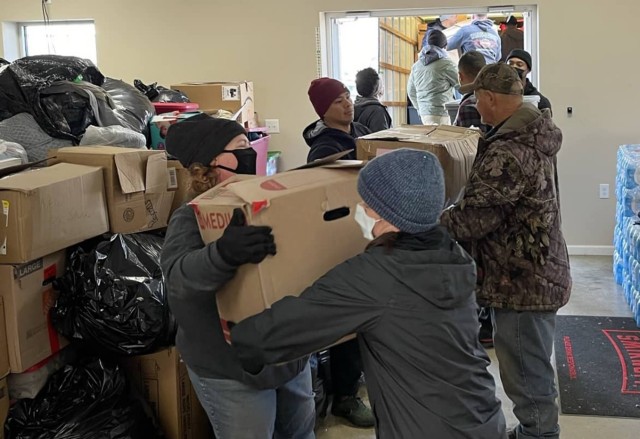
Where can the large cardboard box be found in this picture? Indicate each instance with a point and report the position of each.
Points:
(455, 147)
(4, 405)
(137, 184)
(4, 352)
(164, 382)
(28, 296)
(47, 209)
(229, 96)
(311, 212)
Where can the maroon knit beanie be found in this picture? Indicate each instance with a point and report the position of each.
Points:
(322, 93)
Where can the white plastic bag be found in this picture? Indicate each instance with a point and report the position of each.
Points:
(114, 135)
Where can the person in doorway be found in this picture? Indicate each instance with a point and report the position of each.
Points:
(278, 401)
(368, 110)
(521, 61)
(432, 81)
(478, 36)
(409, 298)
(511, 38)
(335, 131)
(441, 23)
(469, 66)
(509, 216)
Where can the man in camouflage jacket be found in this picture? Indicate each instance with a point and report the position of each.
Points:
(509, 219)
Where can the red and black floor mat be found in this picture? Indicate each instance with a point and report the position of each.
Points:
(598, 362)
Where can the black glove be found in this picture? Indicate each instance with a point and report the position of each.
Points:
(242, 244)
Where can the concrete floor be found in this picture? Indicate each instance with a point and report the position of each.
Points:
(594, 293)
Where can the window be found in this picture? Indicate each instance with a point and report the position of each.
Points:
(69, 38)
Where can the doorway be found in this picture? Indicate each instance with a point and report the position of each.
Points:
(390, 40)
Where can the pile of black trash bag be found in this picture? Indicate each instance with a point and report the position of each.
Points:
(89, 399)
(113, 298)
(64, 95)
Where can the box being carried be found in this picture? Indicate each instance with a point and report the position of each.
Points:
(28, 295)
(311, 212)
(455, 147)
(137, 184)
(48, 209)
(164, 382)
(229, 96)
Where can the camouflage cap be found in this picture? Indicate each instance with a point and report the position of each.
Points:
(499, 78)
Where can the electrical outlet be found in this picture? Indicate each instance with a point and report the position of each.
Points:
(273, 125)
(604, 191)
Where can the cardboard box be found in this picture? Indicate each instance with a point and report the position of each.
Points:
(48, 209)
(455, 147)
(229, 96)
(164, 382)
(4, 352)
(4, 405)
(311, 212)
(137, 184)
(28, 296)
(181, 180)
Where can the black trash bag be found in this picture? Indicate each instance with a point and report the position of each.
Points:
(113, 297)
(158, 93)
(133, 107)
(22, 80)
(66, 114)
(87, 400)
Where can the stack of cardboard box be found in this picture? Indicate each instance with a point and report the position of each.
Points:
(88, 191)
(236, 96)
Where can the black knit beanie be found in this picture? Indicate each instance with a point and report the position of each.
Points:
(201, 138)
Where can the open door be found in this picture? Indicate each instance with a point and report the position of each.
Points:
(389, 41)
(397, 48)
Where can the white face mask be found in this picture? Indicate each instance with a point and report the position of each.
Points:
(365, 222)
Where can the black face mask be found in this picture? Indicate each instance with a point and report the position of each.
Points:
(246, 161)
(521, 72)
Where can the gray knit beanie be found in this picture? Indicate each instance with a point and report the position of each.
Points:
(405, 187)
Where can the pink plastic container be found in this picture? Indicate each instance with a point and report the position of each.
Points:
(261, 147)
(168, 107)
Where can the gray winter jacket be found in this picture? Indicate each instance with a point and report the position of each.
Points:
(194, 272)
(432, 81)
(414, 312)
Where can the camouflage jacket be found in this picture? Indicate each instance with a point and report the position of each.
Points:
(509, 216)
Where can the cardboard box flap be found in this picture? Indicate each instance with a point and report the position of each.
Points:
(130, 172)
(157, 180)
(32, 179)
(325, 161)
(423, 134)
(212, 83)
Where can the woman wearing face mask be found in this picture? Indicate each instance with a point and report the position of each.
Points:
(409, 298)
(276, 402)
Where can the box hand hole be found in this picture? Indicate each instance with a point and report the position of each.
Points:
(336, 214)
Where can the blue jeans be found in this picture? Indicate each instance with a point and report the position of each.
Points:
(238, 411)
(523, 341)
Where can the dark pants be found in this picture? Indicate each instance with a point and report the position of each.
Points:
(346, 368)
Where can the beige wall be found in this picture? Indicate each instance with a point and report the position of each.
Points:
(585, 63)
